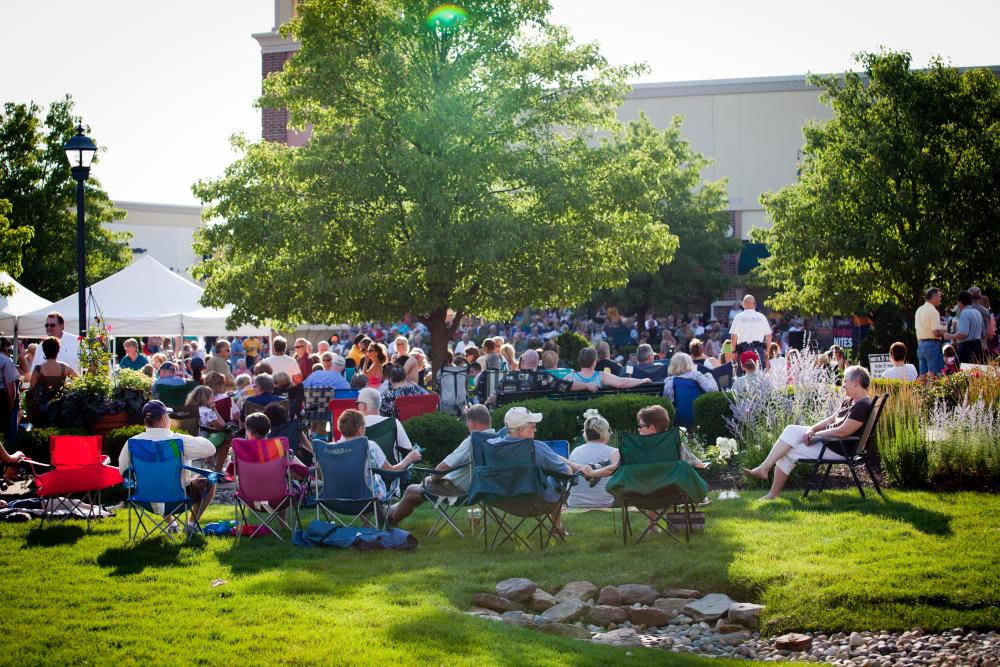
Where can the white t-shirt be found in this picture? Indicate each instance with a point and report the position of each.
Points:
(750, 326)
(69, 353)
(907, 372)
(283, 364)
(581, 495)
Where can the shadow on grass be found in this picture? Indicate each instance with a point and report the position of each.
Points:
(929, 522)
(134, 558)
(53, 535)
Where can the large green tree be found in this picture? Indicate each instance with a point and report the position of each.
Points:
(694, 212)
(12, 242)
(35, 178)
(450, 167)
(899, 191)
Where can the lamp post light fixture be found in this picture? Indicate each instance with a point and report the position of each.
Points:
(80, 152)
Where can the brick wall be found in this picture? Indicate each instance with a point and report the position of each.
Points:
(274, 122)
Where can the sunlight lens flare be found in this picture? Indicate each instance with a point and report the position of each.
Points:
(446, 17)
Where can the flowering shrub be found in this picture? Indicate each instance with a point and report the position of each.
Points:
(759, 416)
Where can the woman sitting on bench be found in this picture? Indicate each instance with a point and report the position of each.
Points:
(796, 442)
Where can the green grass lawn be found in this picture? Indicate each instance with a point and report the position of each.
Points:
(833, 562)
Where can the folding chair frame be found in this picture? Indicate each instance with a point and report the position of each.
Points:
(538, 512)
(655, 522)
(264, 517)
(447, 512)
(53, 504)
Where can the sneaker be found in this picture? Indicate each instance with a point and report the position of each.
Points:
(173, 528)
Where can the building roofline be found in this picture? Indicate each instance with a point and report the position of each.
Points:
(152, 207)
(761, 84)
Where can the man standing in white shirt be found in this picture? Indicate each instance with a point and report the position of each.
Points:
(751, 330)
(69, 345)
(927, 321)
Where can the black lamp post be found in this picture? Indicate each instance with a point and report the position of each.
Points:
(80, 153)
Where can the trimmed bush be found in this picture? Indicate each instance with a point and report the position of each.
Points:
(115, 440)
(35, 443)
(437, 433)
(710, 412)
(570, 344)
(564, 419)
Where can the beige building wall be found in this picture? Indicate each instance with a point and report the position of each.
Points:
(750, 128)
(163, 231)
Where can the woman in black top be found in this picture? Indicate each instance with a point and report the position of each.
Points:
(796, 442)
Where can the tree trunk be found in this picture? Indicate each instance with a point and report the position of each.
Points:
(440, 335)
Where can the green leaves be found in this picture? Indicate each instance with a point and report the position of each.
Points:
(35, 180)
(446, 169)
(898, 192)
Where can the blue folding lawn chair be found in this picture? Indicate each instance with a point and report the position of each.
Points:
(343, 487)
(685, 391)
(155, 477)
(560, 447)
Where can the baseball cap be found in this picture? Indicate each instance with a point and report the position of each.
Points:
(338, 360)
(518, 417)
(197, 362)
(168, 366)
(155, 410)
(747, 356)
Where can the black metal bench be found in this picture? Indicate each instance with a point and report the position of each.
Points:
(506, 398)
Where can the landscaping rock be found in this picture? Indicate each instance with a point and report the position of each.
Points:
(579, 590)
(526, 623)
(641, 593)
(733, 638)
(671, 604)
(745, 613)
(793, 642)
(723, 627)
(605, 614)
(480, 611)
(517, 590)
(566, 611)
(680, 593)
(540, 600)
(564, 630)
(709, 608)
(514, 615)
(609, 595)
(648, 616)
(496, 603)
(619, 637)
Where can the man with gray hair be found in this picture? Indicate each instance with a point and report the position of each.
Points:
(604, 361)
(369, 404)
(455, 470)
(332, 378)
(646, 366)
(984, 312)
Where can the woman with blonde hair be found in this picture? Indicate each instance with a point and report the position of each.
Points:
(509, 356)
(682, 366)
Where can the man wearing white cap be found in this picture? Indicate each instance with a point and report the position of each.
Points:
(521, 425)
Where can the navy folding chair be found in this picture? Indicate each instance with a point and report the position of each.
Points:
(685, 391)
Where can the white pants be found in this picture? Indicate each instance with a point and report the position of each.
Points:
(796, 437)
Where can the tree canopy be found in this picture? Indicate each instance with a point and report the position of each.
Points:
(695, 213)
(476, 166)
(12, 242)
(898, 192)
(35, 179)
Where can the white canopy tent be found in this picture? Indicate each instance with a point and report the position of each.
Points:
(143, 299)
(20, 302)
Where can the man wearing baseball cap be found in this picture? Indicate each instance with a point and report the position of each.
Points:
(168, 376)
(332, 378)
(521, 425)
(156, 416)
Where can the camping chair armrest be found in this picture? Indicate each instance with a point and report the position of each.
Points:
(443, 471)
(569, 479)
(850, 444)
(212, 476)
(392, 474)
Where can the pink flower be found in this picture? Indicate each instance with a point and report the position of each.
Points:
(79, 337)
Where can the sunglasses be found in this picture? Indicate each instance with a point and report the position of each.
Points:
(50, 326)
(641, 425)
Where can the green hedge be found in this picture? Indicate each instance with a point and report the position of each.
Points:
(437, 433)
(710, 412)
(564, 419)
(570, 344)
(115, 440)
